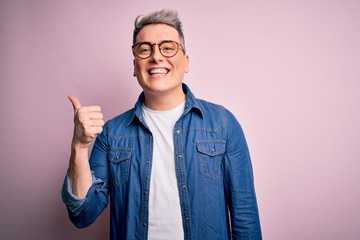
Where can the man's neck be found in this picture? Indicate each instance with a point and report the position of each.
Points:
(164, 102)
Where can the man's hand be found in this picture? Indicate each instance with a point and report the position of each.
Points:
(88, 122)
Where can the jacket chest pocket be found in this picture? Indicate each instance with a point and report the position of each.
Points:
(210, 153)
(119, 165)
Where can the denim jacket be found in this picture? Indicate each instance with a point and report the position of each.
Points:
(213, 168)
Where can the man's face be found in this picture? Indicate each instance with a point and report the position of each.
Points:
(158, 75)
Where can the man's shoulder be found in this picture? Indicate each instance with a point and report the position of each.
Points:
(215, 112)
(208, 107)
(208, 103)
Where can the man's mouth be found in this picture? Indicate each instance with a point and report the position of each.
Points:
(158, 71)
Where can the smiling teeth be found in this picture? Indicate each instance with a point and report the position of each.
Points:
(158, 71)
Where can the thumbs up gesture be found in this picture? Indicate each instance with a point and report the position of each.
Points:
(88, 122)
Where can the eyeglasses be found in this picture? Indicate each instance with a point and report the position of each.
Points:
(167, 48)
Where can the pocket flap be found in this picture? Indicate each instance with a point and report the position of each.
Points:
(211, 147)
(119, 154)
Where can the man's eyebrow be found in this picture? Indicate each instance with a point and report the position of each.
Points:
(166, 40)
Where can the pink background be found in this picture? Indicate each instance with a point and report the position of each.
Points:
(289, 71)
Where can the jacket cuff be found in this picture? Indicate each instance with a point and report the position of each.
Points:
(73, 202)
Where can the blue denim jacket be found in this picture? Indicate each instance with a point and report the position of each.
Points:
(213, 167)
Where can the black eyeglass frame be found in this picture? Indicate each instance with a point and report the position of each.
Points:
(159, 44)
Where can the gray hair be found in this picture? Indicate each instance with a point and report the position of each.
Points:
(168, 17)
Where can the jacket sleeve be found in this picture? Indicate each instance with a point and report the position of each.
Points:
(239, 185)
(83, 212)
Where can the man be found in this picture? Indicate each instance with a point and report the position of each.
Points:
(173, 167)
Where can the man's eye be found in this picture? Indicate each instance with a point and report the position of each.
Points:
(144, 50)
(167, 48)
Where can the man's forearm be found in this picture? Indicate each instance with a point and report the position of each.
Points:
(79, 171)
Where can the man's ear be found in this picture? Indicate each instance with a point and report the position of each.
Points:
(187, 64)
(134, 74)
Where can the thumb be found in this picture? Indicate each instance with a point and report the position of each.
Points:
(75, 102)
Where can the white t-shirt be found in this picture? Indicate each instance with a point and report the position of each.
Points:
(165, 220)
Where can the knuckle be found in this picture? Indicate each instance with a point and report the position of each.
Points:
(89, 135)
(86, 130)
(81, 116)
(81, 123)
(80, 110)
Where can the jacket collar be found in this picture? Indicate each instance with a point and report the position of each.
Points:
(191, 103)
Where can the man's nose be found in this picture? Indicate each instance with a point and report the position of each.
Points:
(156, 54)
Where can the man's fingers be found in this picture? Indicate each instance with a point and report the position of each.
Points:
(93, 123)
(75, 103)
(91, 132)
(90, 109)
(97, 130)
(96, 116)
(86, 118)
(88, 121)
